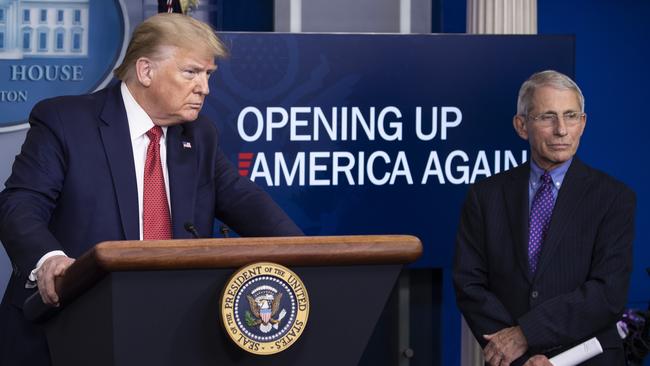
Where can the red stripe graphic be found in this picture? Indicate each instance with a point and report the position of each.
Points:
(245, 162)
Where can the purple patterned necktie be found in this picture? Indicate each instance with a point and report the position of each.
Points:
(540, 217)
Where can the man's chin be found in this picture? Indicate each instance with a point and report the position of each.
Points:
(184, 118)
(558, 159)
(190, 116)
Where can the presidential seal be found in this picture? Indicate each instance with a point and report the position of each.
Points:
(264, 308)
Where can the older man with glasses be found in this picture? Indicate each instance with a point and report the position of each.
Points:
(544, 251)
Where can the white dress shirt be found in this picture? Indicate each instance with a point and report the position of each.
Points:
(139, 124)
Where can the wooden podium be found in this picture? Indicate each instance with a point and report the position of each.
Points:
(157, 302)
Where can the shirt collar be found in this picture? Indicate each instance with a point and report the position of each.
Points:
(139, 120)
(557, 174)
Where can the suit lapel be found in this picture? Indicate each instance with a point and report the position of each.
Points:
(182, 168)
(574, 187)
(516, 197)
(115, 136)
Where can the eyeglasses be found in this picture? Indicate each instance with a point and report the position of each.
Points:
(549, 119)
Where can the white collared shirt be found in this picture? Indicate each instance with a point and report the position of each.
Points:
(139, 124)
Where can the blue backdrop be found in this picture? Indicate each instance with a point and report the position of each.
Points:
(314, 84)
(286, 106)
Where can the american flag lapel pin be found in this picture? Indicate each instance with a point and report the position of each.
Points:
(187, 145)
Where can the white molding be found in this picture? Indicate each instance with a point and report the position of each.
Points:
(405, 16)
(295, 16)
(502, 16)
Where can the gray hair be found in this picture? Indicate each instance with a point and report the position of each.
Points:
(554, 79)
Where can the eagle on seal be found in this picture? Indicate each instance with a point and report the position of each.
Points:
(264, 309)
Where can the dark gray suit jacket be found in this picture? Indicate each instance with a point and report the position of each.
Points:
(580, 287)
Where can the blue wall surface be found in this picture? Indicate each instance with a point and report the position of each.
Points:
(612, 55)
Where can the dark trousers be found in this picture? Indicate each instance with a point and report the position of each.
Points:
(21, 342)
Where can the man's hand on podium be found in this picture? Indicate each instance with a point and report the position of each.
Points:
(52, 268)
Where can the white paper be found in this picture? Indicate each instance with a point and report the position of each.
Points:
(578, 354)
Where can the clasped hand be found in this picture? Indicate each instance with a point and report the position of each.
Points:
(504, 346)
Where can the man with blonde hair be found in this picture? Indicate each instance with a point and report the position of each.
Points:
(544, 250)
(133, 161)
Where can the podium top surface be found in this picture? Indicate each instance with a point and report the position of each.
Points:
(137, 255)
(236, 252)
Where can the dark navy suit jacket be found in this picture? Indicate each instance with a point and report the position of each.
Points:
(73, 185)
(580, 287)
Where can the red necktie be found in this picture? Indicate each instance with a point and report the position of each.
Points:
(156, 220)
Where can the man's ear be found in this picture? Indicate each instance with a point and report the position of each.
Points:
(519, 123)
(144, 71)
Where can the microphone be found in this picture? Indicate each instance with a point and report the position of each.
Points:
(190, 228)
(225, 230)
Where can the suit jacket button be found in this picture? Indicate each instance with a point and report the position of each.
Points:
(534, 294)
(16, 270)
